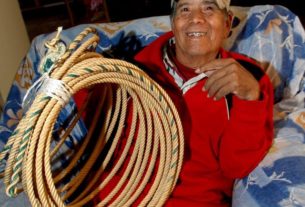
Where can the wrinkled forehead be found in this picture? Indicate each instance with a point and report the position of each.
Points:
(190, 1)
(221, 4)
(202, 2)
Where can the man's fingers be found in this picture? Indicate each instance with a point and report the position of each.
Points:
(216, 76)
(207, 69)
(214, 65)
(219, 86)
(224, 90)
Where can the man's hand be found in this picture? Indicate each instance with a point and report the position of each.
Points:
(228, 76)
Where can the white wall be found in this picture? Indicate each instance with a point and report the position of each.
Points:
(14, 43)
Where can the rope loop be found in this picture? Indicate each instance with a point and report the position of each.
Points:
(123, 92)
(51, 45)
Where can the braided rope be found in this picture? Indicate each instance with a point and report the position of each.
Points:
(155, 133)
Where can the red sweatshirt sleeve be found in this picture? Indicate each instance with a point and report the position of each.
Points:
(249, 133)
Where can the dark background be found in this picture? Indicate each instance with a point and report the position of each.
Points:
(44, 16)
(129, 9)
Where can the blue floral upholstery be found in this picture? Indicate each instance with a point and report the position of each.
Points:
(272, 35)
(275, 37)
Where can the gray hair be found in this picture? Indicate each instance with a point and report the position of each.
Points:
(174, 8)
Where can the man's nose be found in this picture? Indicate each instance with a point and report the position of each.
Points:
(197, 16)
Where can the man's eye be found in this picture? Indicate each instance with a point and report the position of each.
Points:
(209, 8)
(184, 9)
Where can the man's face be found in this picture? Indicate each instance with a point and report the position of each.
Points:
(199, 27)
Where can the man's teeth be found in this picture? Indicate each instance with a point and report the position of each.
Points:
(196, 34)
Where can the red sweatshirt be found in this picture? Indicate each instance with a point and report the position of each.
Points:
(218, 149)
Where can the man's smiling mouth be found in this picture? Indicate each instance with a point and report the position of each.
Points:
(196, 34)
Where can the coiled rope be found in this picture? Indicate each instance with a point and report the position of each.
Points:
(155, 134)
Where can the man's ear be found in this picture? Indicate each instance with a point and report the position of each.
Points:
(229, 21)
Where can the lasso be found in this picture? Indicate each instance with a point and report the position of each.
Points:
(155, 134)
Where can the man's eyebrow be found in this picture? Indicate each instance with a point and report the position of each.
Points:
(182, 4)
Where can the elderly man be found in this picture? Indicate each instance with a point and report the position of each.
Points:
(224, 100)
